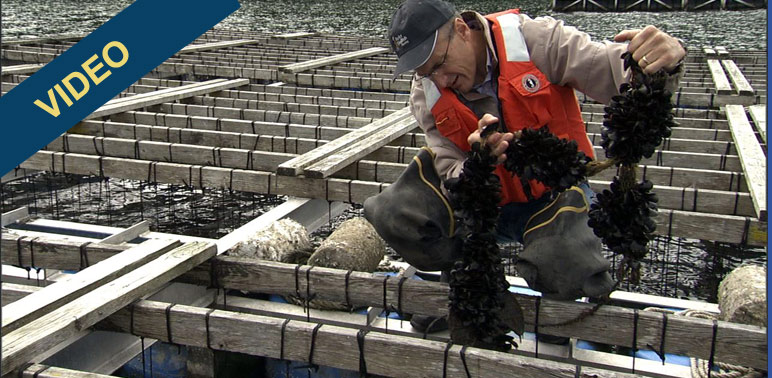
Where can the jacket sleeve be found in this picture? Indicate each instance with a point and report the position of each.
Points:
(449, 159)
(569, 57)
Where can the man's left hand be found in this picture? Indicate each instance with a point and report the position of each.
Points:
(652, 48)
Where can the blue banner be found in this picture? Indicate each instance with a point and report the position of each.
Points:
(97, 68)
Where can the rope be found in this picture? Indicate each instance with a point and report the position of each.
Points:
(361, 342)
(445, 359)
(700, 368)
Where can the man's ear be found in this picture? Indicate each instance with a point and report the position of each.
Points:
(462, 29)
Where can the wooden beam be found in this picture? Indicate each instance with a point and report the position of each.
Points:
(333, 189)
(294, 35)
(22, 312)
(22, 344)
(39, 40)
(696, 200)
(12, 292)
(752, 157)
(384, 354)
(216, 45)
(296, 166)
(741, 85)
(759, 116)
(526, 346)
(740, 344)
(45, 371)
(21, 69)
(268, 136)
(153, 98)
(127, 234)
(14, 216)
(332, 60)
(719, 77)
(353, 152)
(722, 52)
(53, 252)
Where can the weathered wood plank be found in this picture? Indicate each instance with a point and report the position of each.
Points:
(294, 35)
(22, 312)
(44, 371)
(127, 234)
(12, 292)
(719, 77)
(216, 45)
(728, 228)
(744, 345)
(741, 85)
(267, 137)
(295, 166)
(352, 152)
(20, 69)
(39, 40)
(696, 200)
(170, 152)
(752, 157)
(709, 52)
(330, 60)
(14, 216)
(53, 252)
(22, 344)
(152, 98)
(333, 346)
(333, 189)
(722, 52)
(759, 116)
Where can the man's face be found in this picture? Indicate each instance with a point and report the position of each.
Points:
(452, 63)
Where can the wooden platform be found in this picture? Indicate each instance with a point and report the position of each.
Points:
(319, 118)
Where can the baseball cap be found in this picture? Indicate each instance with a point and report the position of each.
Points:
(414, 29)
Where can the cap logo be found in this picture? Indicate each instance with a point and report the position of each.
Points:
(400, 41)
(531, 83)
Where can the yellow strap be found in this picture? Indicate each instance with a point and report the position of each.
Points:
(573, 209)
(439, 194)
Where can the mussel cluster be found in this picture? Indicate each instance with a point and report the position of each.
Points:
(623, 219)
(481, 311)
(635, 123)
(639, 118)
(540, 155)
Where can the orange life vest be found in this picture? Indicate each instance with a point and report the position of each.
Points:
(528, 100)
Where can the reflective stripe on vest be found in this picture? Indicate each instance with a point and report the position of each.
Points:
(514, 42)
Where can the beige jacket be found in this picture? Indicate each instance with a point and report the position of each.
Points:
(565, 55)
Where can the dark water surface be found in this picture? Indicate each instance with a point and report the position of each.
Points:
(734, 29)
(678, 267)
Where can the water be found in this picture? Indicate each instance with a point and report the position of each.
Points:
(679, 268)
(734, 29)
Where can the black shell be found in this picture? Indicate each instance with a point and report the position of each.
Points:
(540, 155)
(477, 282)
(636, 120)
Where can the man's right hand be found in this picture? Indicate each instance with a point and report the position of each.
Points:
(498, 142)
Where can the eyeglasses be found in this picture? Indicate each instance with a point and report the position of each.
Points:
(444, 57)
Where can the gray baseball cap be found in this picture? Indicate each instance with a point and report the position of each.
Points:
(414, 31)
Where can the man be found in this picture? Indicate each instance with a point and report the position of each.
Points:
(473, 70)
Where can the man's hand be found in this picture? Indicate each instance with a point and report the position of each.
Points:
(652, 48)
(498, 142)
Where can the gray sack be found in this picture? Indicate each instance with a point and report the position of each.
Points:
(414, 217)
(561, 255)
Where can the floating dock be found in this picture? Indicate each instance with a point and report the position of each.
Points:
(317, 118)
